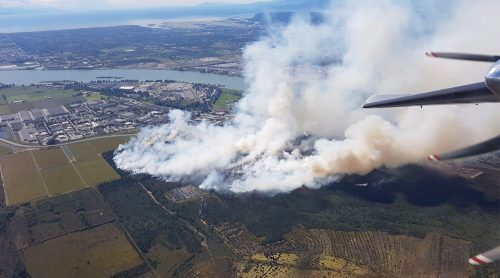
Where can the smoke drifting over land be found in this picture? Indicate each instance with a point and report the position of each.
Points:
(381, 49)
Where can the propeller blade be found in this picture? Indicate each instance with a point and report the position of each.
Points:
(487, 257)
(487, 146)
(464, 56)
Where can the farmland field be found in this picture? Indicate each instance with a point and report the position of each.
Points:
(90, 164)
(21, 180)
(98, 252)
(167, 259)
(226, 98)
(16, 164)
(95, 171)
(23, 187)
(84, 150)
(33, 93)
(50, 157)
(62, 179)
(397, 255)
(31, 175)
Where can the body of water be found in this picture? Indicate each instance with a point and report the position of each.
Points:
(27, 77)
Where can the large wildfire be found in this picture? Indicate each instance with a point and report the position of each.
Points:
(378, 47)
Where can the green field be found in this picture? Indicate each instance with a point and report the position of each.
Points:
(95, 96)
(32, 94)
(18, 163)
(50, 157)
(90, 149)
(227, 98)
(108, 144)
(93, 168)
(21, 179)
(62, 179)
(98, 252)
(31, 175)
(23, 188)
(96, 170)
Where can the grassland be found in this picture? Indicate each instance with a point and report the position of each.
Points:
(227, 98)
(98, 252)
(95, 96)
(32, 94)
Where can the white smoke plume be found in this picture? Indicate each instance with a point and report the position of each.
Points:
(380, 47)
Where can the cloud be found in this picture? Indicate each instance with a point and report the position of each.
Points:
(381, 47)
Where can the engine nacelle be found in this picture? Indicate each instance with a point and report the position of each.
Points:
(492, 78)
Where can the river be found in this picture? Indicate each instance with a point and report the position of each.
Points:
(27, 77)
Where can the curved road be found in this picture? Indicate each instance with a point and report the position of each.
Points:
(16, 147)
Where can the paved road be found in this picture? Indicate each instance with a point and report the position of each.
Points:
(17, 147)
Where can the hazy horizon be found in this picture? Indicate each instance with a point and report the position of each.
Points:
(95, 5)
(44, 17)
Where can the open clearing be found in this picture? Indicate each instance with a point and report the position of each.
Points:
(227, 98)
(31, 175)
(32, 93)
(98, 252)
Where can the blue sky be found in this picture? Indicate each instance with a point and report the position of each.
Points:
(107, 4)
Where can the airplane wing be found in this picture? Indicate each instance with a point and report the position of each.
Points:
(487, 257)
(490, 145)
(472, 93)
(464, 56)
